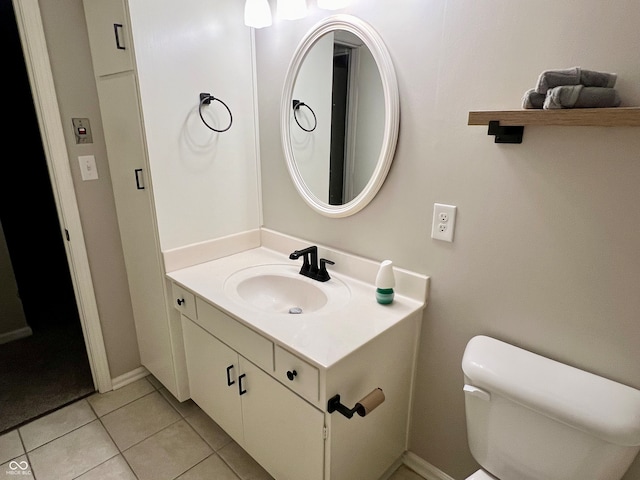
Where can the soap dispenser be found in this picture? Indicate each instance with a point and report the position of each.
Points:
(385, 281)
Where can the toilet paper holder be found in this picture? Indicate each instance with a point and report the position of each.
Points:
(368, 403)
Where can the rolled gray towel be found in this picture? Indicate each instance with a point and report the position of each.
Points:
(589, 78)
(574, 76)
(555, 78)
(533, 99)
(579, 96)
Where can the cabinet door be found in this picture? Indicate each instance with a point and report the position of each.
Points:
(282, 432)
(213, 378)
(136, 218)
(109, 37)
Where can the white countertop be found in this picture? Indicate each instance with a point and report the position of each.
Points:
(323, 337)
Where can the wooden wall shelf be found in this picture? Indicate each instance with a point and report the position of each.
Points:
(508, 125)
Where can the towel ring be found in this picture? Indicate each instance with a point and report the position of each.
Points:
(296, 106)
(206, 99)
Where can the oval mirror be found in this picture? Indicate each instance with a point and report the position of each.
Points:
(339, 115)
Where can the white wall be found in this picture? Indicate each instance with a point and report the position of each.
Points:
(205, 183)
(546, 244)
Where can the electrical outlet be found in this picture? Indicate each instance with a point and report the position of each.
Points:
(444, 221)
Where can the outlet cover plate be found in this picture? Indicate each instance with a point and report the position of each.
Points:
(444, 222)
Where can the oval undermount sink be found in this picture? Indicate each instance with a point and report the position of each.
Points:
(281, 289)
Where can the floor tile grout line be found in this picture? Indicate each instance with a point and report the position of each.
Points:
(71, 431)
(96, 466)
(204, 439)
(182, 417)
(237, 474)
(120, 452)
(124, 404)
(213, 452)
(148, 437)
(59, 436)
(99, 418)
(26, 454)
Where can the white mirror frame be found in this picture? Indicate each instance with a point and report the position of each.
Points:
(374, 42)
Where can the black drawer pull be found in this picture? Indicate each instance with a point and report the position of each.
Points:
(241, 390)
(229, 381)
(139, 180)
(116, 27)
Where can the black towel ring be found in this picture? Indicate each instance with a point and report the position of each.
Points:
(206, 99)
(296, 106)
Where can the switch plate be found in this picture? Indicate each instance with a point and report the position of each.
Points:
(444, 222)
(82, 130)
(88, 168)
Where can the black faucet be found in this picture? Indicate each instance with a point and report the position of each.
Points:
(310, 266)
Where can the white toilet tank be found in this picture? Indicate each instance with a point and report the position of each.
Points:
(532, 418)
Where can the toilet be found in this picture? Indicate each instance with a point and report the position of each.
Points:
(533, 418)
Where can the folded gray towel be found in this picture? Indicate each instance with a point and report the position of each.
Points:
(533, 99)
(579, 96)
(574, 76)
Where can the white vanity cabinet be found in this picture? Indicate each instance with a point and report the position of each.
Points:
(271, 395)
(113, 61)
(281, 431)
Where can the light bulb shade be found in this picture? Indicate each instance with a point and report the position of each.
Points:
(292, 9)
(257, 13)
(332, 4)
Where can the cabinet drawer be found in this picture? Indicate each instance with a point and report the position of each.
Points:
(109, 37)
(297, 374)
(184, 301)
(243, 340)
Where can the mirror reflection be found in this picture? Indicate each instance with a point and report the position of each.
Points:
(337, 117)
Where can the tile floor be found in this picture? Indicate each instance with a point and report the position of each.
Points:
(137, 432)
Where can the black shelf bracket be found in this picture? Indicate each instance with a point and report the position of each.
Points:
(505, 134)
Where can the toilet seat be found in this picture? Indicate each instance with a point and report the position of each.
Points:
(482, 475)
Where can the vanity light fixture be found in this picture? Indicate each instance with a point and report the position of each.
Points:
(292, 9)
(257, 13)
(332, 4)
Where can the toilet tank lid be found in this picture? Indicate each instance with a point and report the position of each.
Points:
(588, 402)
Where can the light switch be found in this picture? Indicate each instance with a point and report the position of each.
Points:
(88, 168)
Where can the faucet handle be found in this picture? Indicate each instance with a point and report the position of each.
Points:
(323, 275)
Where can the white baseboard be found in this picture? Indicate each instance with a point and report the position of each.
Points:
(392, 469)
(129, 377)
(15, 335)
(423, 468)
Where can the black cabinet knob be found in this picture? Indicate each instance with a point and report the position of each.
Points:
(291, 374)
(180, 301)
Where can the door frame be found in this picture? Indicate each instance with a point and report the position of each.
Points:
(36, 56)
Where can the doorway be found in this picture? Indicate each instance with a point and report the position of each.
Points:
(50, 368)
